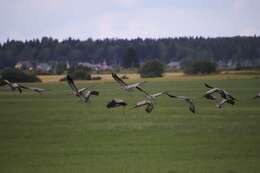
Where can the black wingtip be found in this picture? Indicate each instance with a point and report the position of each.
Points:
(173, 96)
(207, 85)
(68, 77)
(114, 76)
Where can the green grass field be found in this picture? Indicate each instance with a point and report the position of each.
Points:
(56, 133)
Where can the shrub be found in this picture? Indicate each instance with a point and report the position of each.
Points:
(199, 67)
(14, 75)
(124, 77)
(152, 68)
(61, 68)
(81, 75)
(96, 78)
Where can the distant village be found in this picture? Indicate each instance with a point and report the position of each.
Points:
(51, 67)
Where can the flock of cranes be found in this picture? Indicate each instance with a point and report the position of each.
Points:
(220, 96)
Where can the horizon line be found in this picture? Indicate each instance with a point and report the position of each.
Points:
(126, 38)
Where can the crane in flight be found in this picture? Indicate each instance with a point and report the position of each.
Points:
(186, 100)
(145, 103)
(125, 86)
(14, 86)
(116, 103)
(84, 94)
(226, 96)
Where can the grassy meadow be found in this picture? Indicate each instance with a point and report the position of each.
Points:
(56, 133)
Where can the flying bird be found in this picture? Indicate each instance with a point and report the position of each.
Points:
(223, 93)
(145, 103)
(14, 86)
(75, 90)
(116, 103)
(85, 97)
(185, 99)
(83, 93)
(125, 86)
(38, 90)
(227, 97)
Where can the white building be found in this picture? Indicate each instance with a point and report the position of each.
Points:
(174, 65)
(43, 67)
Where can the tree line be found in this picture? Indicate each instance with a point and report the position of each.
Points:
(130, 53)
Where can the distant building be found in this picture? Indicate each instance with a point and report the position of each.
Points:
(102, 66)
(24, 65)
(174, 65)
(67, 65)
(86, 64)
(43, 67)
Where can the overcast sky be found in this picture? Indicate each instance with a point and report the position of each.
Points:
(28, 19)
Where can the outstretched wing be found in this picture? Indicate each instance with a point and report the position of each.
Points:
(142, 90)
(186, 99)
(172, 96)
(118, 79)
(82, 90)
(208, 86)
(233, 98)
(39, 90)
(140, 104)
(2, 83)
(5, 82)
(72, 84)
(158, 94)
(214, 90)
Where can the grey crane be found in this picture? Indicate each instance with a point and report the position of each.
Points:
(75, 90)
(145, 103)
(125, 86)
(14, 86)
(227, 97)
(116, 103)
(223, 93)
(83, 93)
(185, 99)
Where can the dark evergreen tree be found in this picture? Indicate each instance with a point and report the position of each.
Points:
(130, 59)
